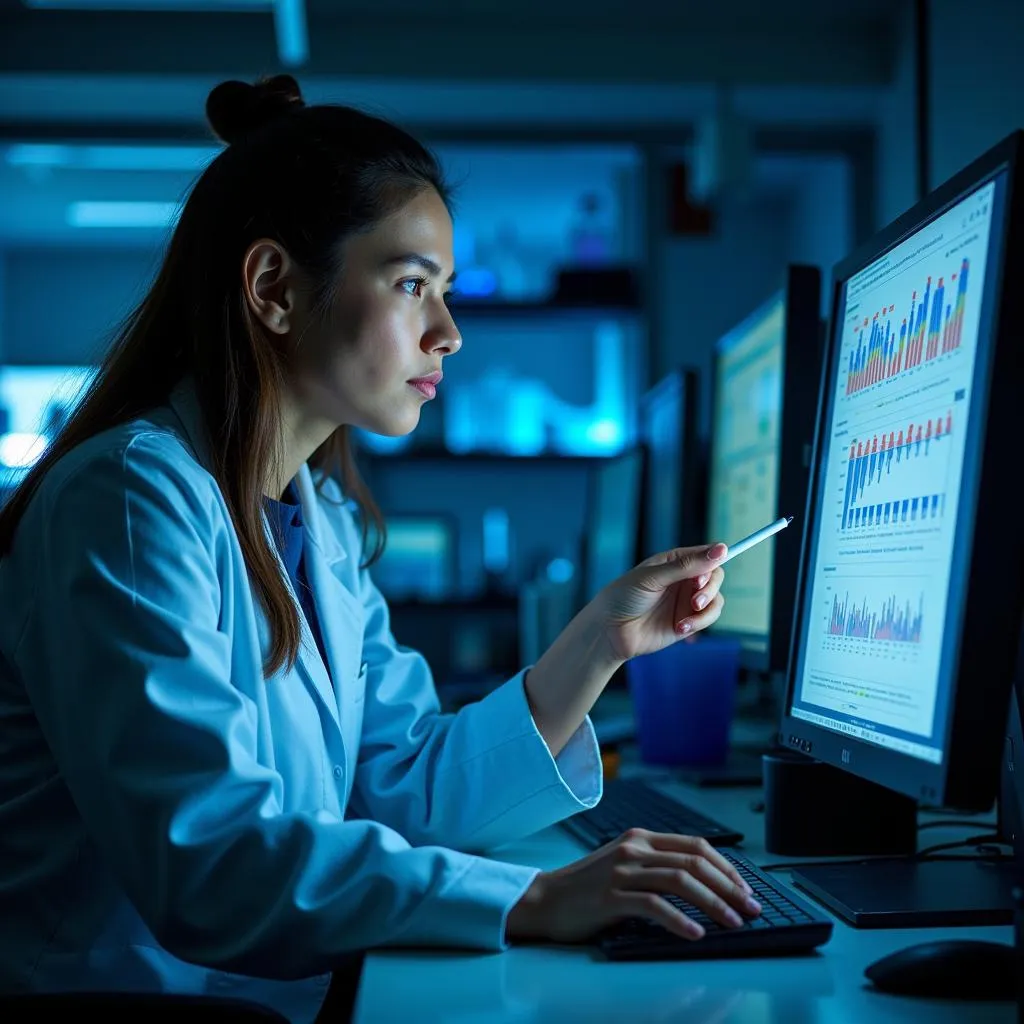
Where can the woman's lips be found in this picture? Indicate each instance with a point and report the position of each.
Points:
(424, 387)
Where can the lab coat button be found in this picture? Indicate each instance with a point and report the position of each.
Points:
(337, 771)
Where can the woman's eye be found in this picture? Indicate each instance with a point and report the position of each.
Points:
(413, 285)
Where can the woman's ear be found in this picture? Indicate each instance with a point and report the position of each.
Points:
(268, 281)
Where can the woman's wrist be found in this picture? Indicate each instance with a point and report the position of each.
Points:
(526, 920)
(569, 677)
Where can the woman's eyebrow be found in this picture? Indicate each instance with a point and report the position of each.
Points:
(429, 265)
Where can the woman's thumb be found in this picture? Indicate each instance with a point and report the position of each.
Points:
(686, 563)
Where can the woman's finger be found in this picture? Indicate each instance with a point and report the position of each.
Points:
(703, 580)
(706, 593)
(687, 885)
(676, 843)
(701, 620)
(637, 903)
(727, 885)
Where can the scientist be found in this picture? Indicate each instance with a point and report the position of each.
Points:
(219, 774)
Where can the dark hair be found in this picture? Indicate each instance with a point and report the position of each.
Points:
(307, 177)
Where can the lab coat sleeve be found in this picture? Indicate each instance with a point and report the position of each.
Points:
(473, 780)
(131, 681)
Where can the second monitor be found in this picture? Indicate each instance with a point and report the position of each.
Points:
(673, 488)
(765, 388)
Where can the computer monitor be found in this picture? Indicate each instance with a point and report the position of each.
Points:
(765, 384)
(611, 539)
(910, 599)
(673, 493)
(419, 559)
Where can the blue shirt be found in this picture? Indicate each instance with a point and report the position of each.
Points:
(287, 528)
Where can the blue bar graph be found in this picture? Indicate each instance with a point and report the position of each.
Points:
(872, 463)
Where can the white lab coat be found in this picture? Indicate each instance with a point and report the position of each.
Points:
(171, 821)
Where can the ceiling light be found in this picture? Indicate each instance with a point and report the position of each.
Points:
(122, 214)
(110, 158)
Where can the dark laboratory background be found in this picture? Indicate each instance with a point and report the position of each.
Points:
(638, 191)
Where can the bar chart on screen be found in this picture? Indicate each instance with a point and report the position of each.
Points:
(897, 477)
(933, 327)
(874, 618)
(918, 316)
(895, 619)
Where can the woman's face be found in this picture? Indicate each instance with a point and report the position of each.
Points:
(377, 356)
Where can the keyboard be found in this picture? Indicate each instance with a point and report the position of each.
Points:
(632, 803)
(787, 924)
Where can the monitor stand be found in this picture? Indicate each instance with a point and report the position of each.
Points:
(907, 893)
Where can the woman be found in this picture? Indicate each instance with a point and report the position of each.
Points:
(218, 772)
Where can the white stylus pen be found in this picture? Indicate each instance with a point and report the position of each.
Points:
(755, 538)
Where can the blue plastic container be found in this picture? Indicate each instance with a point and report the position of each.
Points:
(683, 701)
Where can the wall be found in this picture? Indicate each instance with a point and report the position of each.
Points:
(707, 285)
(976, 78)
(822, 219)
(69, 301)
(896, 168)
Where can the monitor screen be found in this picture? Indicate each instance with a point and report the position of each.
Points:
(898, 449)
(419, 558)
(744, 465)
(35, 403)
(612, 529)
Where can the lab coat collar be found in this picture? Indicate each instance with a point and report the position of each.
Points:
(185, 403)
(322, 549)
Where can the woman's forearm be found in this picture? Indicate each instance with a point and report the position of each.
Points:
(568, 678)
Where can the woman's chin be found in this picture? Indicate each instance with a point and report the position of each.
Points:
(395, 426)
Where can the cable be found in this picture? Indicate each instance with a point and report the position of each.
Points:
(963, 823)
(975, 841)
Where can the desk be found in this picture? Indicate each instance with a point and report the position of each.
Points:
(563, 985)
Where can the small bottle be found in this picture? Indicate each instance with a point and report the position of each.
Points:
(590, 240)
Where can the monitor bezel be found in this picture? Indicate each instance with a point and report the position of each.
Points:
(967, 777)
(801, 373)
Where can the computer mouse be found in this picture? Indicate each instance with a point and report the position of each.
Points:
(949, 969)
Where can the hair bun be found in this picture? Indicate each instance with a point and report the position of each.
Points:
(237, 108)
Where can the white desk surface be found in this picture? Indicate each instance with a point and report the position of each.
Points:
(562, 985)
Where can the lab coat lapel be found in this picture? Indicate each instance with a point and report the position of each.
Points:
(339, 612)
(309, 664)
